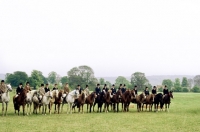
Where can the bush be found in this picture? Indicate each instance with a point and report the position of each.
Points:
(177, 89)
(160, 89)
(195, 89)
(185, 89)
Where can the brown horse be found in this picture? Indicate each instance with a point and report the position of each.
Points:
(81, 101)
(20, 100)
(126, 99)
(139, 101)
(148, 101)
(115, 100)
(167, 100)
(106, 99)
(58, 101)
(99, 100)
(90, 100)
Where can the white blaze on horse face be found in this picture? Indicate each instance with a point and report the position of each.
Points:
(9, 87)
(64, 95)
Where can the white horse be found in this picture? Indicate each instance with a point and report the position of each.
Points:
(29, 100)
(46, 101)
(5, 98)
(71, 98)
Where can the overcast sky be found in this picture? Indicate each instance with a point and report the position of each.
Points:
(114, 37)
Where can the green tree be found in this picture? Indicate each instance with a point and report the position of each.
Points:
(108, 84)
(139, 79)
(64, 80)
(86, 73)
(52, 77)
(121, 80)
(195, 89)
(101, 81)
(168, 83)
(190, 83)
(177, 83)
(197, 80)
(36, 78)
(16, 78)
(184, 82)
(185, 89)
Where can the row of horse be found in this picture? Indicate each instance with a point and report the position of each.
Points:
(59, 98)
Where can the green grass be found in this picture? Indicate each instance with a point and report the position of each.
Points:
(184, 116)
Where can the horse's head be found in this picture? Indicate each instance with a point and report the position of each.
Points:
(171, 94)
(8, 86)
(50, 94)
(76, 93)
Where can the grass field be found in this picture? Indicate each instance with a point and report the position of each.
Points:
(184, 116)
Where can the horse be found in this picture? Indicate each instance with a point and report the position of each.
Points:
(90, 100)
(115, 100)
(148, 101)
(107, 100)
(99, 101)
(139, 101)
(71, 98)
(58, 101)
(167, 100)
(125, 100)
(20, 100)
(157, 101)
(81, 101)
(29, 100)
(5, 98)
(46, 101)
(53, 99)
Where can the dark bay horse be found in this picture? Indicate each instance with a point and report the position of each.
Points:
(167, 100)
(115, 100)
(81, 101)
(148, 101)
(20, 100)
(125, 100)
(99, 100)
(139, 101)
(106, 99)
(157, 101)
(58, 101)
(90, 100)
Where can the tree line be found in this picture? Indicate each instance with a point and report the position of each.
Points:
(84, 75)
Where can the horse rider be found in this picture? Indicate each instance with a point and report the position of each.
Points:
(27, 87)
(76, 100)
(165, 91)
(46, 89)
(154, 92)
(19, 90)
(135, 89)
(123, 89)
(87, 90)
(146, 91)
(41, 92)
(113, 90)
(55, 87)
(105, 89)
(120, 87)
(98, 89)
(2, 88)
(66, 88)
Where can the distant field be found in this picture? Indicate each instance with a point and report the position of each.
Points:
(184, 116)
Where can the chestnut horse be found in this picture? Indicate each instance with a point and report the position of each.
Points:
(125, 100)
(115, 100)
(167, 100)
(20, 100)
(90, 100)
(139, 101)
(81, 101)
(148, 101)
(58, 101)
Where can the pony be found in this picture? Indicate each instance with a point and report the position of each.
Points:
(139, 101)
(58, 101)
(99, 101)
(46, 101)
(125, 100)
(115, 100)
(71, 98)
(53, 99)
(20, 100)
(149, 100)
(107, 100)
(167, 100)
(157, 101)
(81, 101)
(90, 100)
(29, 100)
(5, 98)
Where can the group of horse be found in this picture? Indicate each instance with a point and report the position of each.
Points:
(74, 99)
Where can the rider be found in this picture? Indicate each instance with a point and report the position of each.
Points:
(19, 90)
(87, 90)
(154, 92)
(2, 88)
(46, 89)
(105, 88)
(146, 91)
(66, 88)
(55, 87)
(113, 90)
(165, 91)
(124, 88)
(98, 89)
(120, 87)
(135, 89)
(76, 100)
(41, 92)
(27, 87)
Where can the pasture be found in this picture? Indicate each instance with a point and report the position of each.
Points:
(184, 116)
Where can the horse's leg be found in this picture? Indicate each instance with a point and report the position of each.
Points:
(6, 108)
(94, 105)
(90, 107)
(23, 109)
(27, 109)
(87, 108)
(59, 108)
(2, 108)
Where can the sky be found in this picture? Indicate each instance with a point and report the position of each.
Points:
(114, 38)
